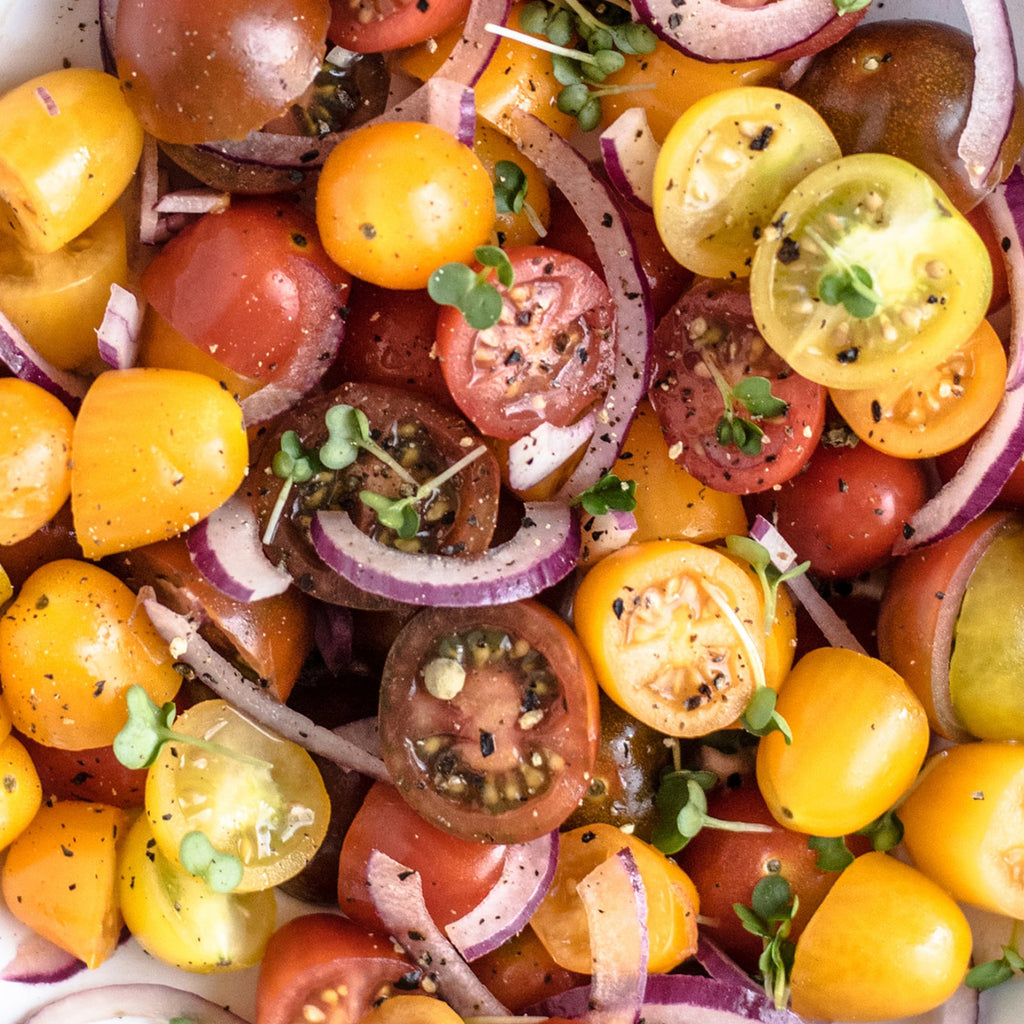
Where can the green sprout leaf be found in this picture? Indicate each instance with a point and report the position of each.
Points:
(994, 972)
(473, 294)
(756, 555)
(853, 288)
(833, 853)
(510, 187)
(222, 872)
(609, 494)
(885, 833)
(770, 917)
(761, 717)
(295, 464)
(755, 395)
(395, 513)
(850, 6)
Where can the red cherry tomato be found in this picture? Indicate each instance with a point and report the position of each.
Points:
(372, 26)
(705, 349)
(547, 359)
(846, 509)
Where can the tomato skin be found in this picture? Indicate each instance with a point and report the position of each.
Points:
(547, 359)
(712, 323)
(886, 941)
(456, 873)
(320, 951)
(846, 509)
(361, 28)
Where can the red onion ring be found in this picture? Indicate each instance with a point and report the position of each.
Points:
(118, 334)
(26, 363)
(193, 200)
(605, 533)
(1005, 210)
(159, 1004)
(613, 242)
(525, 878)
(542, 552)
(226, 548)
(187, 646)
(38, 961)
(629, 152)
(536, 455)
(397, 894)
(719, 965)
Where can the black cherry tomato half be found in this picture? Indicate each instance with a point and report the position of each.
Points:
(489, 720)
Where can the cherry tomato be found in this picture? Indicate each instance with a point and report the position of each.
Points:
(937, 410)
(885, 941)
(71, 645)
(372, 26)
(456, 873)
(69, 146)
(397, 200)
(672, 901)
(55, 539)
(257, 796)
(489, 720)
(195, 72)
(172, 437)
(548, 357)
(35, 458)
(322, 967)
(846, 509)
(251, 288)
(904, 87)
(673, 630)
(179, 919)
(707, 350)
(400, 1008)
(866, 273)
(724, 167)
(57, 299)
(961, 824)
(859, 738)
(60, 875)
(21, 794)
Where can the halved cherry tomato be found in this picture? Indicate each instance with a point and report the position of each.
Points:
(402, 1008)
(868, 274)
(548, 357)
(707, 349)
(371, 26)
(724, 167)
(21, 794)
(489, 719)
(937, 410)
(674, 631)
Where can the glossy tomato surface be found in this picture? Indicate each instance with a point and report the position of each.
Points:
(370, 26)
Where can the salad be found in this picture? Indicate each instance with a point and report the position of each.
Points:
(316, 430)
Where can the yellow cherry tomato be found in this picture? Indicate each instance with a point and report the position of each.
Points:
(179, 919)
(405, 1009)
(397, 200)
(560, 922)
(71, 644)
(859, 737)
(674, 631)
(68, 147)
(60, 874)
(963, 823)
(57, 299)
(35, 458)
(885, 942)
(155, 451)
(21, 794)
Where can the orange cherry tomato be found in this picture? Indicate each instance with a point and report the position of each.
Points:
(21, 794)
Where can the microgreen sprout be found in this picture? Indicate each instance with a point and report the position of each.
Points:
(994, 972)
(770, 916)
(850, 6)
(754, 394)
(609, 494)
(148, 728)
(510, 190)
(847, 283)
(759, 559)
(682, 810)
(473, 293)
(222, 872)
(295, 464)
(885, 833)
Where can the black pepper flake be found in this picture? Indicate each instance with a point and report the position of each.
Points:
(618, 607)
(299, 240)
(368, 230)
(66, 851)
(405, 874)
(763, 138)
(417, 936)
(848, 355)
(523, 317)
(588, 837)
(515, 356)
(876, 411)
(788, 251)
(423, 6)
(97, 690)
(408, 981)
(607, 221)
(843, 486)
(939, 594)
(486, 743)
(42, 602)
(1006, 244)
(908, 531)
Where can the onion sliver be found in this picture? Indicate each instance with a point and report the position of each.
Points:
(159, 1004)
(225, 547)
(615, 903)
(613, 242)
(629, 152)
(397, 895)
(117, 337)
(38, 961)
(511, 901)
(542, 552)
(714, 30)
(992, 97)
(719, 965)
(546, 448)
(193, 200)
(26, 363)
(187, 646)
(1005, 211)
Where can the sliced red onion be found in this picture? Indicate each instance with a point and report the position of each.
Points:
(1005, 210)
(525, 878)
(992, 100)
(545, 449)
(719, 965)
(226, 548)
(118, 334)
(613, 242)
(38, 961)
(783, 557)
(630, 151)
(397, 894)
(187, 646)
(26, 363)
(193, 201)
(605, 533)
(155, 1004)
(363, 732)
(46, 98)
(542, 552)
(615, 902)
(717, 31)
(152, 229)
